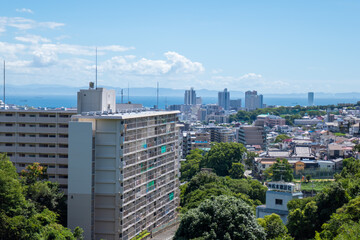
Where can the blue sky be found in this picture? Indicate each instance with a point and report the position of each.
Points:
(269, 46)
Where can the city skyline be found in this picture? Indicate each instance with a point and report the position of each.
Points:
(239, 46)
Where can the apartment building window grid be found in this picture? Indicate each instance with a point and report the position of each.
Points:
(148, 173)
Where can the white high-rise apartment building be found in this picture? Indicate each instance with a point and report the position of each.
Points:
(224, 99)
(253, 100)
(123, 172)
(190, 97)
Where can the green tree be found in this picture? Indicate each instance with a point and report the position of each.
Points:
(220, 218)
(237, 171)
(222, 155)
(34, 172)
(274, 227)
(250, 160)
(192, 164)
(347, 215)
(281, 138)
(280, 170)
(20, 217)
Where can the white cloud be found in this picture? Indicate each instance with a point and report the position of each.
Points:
(32, 39)
(25, 24)
(251, 76)
(115, 48)
(10, 50)
(174, 64)
(24, 10)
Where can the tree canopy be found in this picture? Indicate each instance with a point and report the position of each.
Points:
(205, 185)
(274, 227)
(25, 205)
(280, 170)
(222, 155)
(220, 218)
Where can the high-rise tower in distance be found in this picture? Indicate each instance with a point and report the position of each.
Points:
(190, 97)
(224, 99)
(253, 100)
(310, 99)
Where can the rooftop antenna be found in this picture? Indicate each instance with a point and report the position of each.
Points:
(96, 68)
(4, 83)
(157, 96)
(122, 95)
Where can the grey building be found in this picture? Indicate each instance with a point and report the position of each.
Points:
(277, 197)
(253, 100)
(190, 97)
(122, 172)
(235, 104)
(37, 135)
(224, 99)
(310, 99)
(252, 135)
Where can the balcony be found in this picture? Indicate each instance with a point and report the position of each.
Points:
(46, 139)
(46, 149)
(26, 149)
(62, 171)
(27, 119)
(61, 160)
(26, 129)
(27, 139)
(46, 119)
(8, 129)
(46, 130)
(62, 140)
(7, 139)
(8, 119)
(62, 130)
(63, 150)
(7, 149)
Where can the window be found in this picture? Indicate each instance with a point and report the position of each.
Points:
(8, 124)
(8, 134)
(278, 201)
(8, 114)
(8, 144)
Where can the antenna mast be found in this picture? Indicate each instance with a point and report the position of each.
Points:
(157, 96)
(122, 95)
(4, 83)
(128, 93)
(96, 68)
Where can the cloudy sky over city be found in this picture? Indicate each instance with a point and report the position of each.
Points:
(270, 46)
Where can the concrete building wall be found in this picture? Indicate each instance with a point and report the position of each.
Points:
(29, 136)
(135, 168)
(99, 99)
(80, 203)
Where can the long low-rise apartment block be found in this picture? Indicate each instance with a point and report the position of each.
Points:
(36, 135)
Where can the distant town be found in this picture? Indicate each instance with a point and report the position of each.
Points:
(127, 171)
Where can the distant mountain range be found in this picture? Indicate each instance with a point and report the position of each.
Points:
(46, 90)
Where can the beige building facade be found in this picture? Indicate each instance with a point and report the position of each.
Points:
(123, 173)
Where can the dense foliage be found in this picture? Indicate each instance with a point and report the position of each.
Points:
(332, 212)
(205, 185)
(274, 227)
(223, 158)
(26, 204)
(279, 171)
(220, 218)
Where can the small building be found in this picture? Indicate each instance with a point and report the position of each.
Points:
(277, 197)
